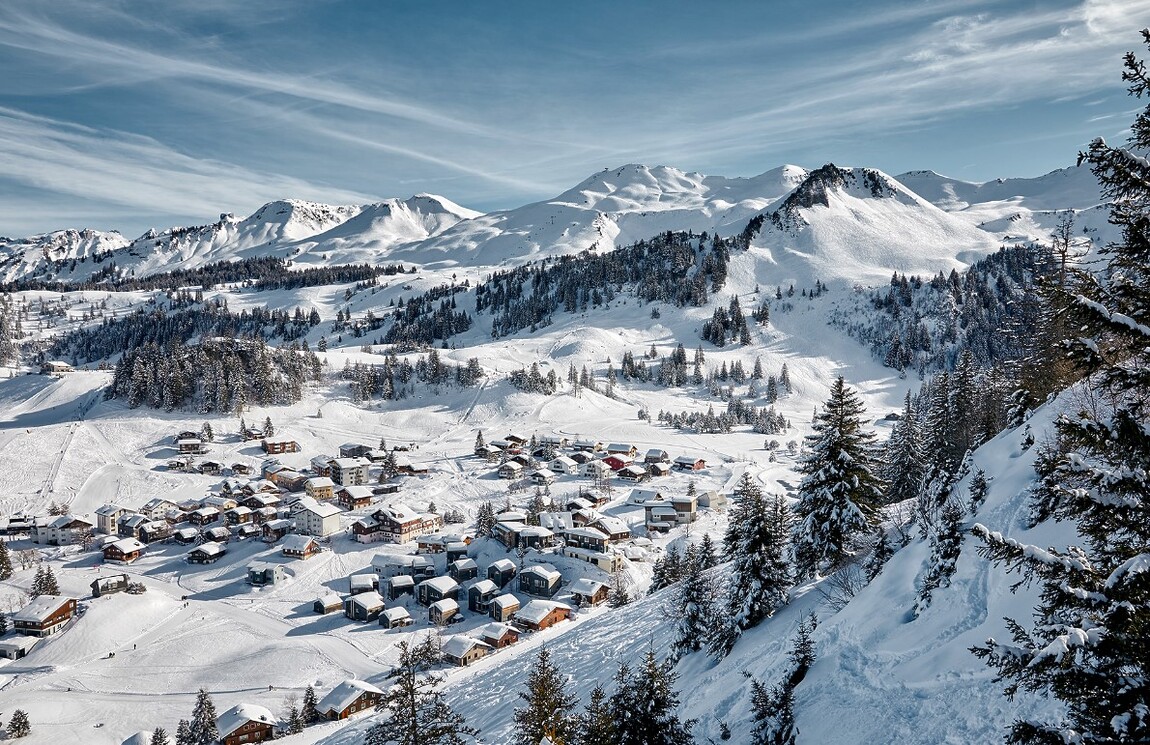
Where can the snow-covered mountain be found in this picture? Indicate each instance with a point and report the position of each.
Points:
(22, 257)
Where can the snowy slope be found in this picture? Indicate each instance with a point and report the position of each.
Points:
(1065, 188)
(37, 254)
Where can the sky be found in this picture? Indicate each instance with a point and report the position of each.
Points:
(127, 114)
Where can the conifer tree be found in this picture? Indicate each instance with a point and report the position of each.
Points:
(772, 711)
(414, 711)
(549, 704)
(707, 556)
(295, 723)
(269, 429)
(3, 624)
(945, 547)
(159, 737)
(1087, 645)
(309, 710)
(595, 725)
(619, 595)
(203, 723)
(184, 733)
(485, 520)
(49, 585)
(643, 706)
(5, 562)
(693, 607)
(979, 488)
(840, 494)
(18, 725)
(904, 468)
(879, 556)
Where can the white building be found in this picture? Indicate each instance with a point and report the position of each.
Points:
(320, 520)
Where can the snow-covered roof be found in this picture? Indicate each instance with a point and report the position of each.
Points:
(298, 543)
(483, 586)
(444, 606)
(128, 545)
(109, 510)
(495, 630)
(442, 584)
(537, 531)
(688, 460)
(402, 580)
(639, 496)
(329, 599)
(240, 714)
(67, 521)
(591, 533)
(458, 646)
(586, 586)
(323, 509)
(502, 565)
(40, 609)
(19, 643)
(612, 525)
(461, 564)
(319, 482)
(357, 492)
(367, 600)
(536, 610)
(361, 580)
(209, 548)
(396, 614)
(505, 600)
(511, 516)
(619, 447)
(564, 461)
(545, 571)
(345, 694)
(381, 561)
(635, 469)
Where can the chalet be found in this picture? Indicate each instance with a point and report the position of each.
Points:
(187, 434)
(505, 446)
(407, 468)
(155, 530)
(219, 534)
(686, 507)
(589, 539)
(320, 520)
(504, 607)
(462, 570)
(390, 565)
(321, 465)
(515, 439)
(630, 452)
(207, 553)
(130, 523)
(487, 452)
(363, 607)
(353, 497)
(645, 496)
(688, 463)
(437, 588)
(608, 562)
(564, 466)
(223, 502)
(480, 595)
(658, 470)
(554, 442)
(511, 516)
(395, 618)
(713, 500)
(535, 536)
(242, 469)
(615, 528)
(273, 530)
(65, 530)
(381, 489)
(186, 536)
(597, 469)
(349, 697)
(289, 479)
(262, 573)
(300, 547)
(541, 614)
(522, 459)
(396, 523)
(586, 591)
(245, 723)
(633, 473)
(261, 515)
(541, 580)
(443, 612)
(587, 446)
(463, 650)
(124, 551)
(191, 446)
(401, 584)
(320, 488)
(501, 571)
(109, 585)
(499, 635)
(455, 550)
(158, 508)
(276, 447)
(248, 530)
(353, 450)
(238, 515)
(655, 455)
(349, 471)
(358, 583)
(15, 524)
(204, 516)
(431, 544)
(557, 522)
(44, 616)
(327, 603)
(376, 455)
(581, 457)
(210, 468)
(55, 367)
(660, 516)
(579, 503)
(107, 517)
(616, 462)
(17, 647)
(542, 477)
(511, 470)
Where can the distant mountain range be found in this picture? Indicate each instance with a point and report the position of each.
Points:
(853, 223)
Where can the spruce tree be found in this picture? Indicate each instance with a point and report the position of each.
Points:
(595, 725)
(693, 607)
(18, 725)
(619, 594)
(159, 737)
(269, 429)
(1087, 645)
(203, 723)
(643, 706)
(310, 707)
(485, 521)
(413, 709)
(979, 488)
(5, 562)
(49, 585)
(707, 555)
(905, 467)
(840, 494)
(549, 704)
(295, 723)
(3, 624)
(184, 733)
(945, 547)
(37, 588)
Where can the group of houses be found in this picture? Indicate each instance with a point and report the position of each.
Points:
(520, 459)
(246, 723)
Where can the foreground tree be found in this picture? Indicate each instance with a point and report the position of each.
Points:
(159, 737)
(840, 495)
(549, 704)
(5, 562)
(414, 712)
(202, 727)
(19, 726)
(644, 705)
(309, 710)
(184, 733)
(1087, 647)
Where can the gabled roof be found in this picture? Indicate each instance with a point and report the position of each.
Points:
(442, 584)
(356, 492)
(612, 525)
(536, 610)
(586, 586)
(298, 543)
(458, 646)
(40, 609)
(592, 533)
(483, 586)
(68, 521)
(345, 694)
(505, 600)
(395, 614)
(110, 510)
(240, 714)
(496, 630)
(329, 599)
(319, 482)
(443, 606)
(128, 545)
(502, 565)
(210, 548)
(323, 510)
(545, 571)
(367, 600)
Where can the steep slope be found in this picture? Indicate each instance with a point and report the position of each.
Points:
(860, 225)
(55, 252)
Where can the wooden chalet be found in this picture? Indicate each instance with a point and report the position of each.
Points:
(501, 571)
(541, 614)
(615, 528)
(278, 446)
(623, 449)
(504, 607)
(191, 446)
(588, 538)
(480, 595)
(587, 446)
(437, 588)
(354, 497)
(443, 612)
(542, 477)
(246, 723)
(354, 450)
(395, 618)
(463, 650)
(349, 697)
(186, 536)
(511, 470)
(364, 607)
(615, 462)
(564, 466)
(274, 530)
(540, 580)
(658, 470)
(655, 455)
(155, 530)
(239, 515)
(401, 584)
(499, 635)
(109, 585)
(207, 553)
(297, 546)
(633, 473)
(327, 603)
(44, 616)
(689, 463)
(219, 534)
(124, 551)
(204, 516)
(462, 570)
(261, 573)
(586, 591)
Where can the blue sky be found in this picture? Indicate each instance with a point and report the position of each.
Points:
(127, 115)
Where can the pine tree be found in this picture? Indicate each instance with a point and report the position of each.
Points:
(479, 441)
(310, 708)
(159, 737)
(979, 488)
(945, 548)
(485, 520)
(619, 594)
(37, 588)
(269, 429)
(549, 704)
(644, 703)
(295, 723)
(840, 494)
(203, 723)
(693, 607)
(707, 555)
(5, 562)
(773, 714)
(905, 466)
(19, 726)
(756, 542)
(595, 725)
(184, 733)
(414, 711)
(1087, 646)
(879, 556)
(3, 624)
